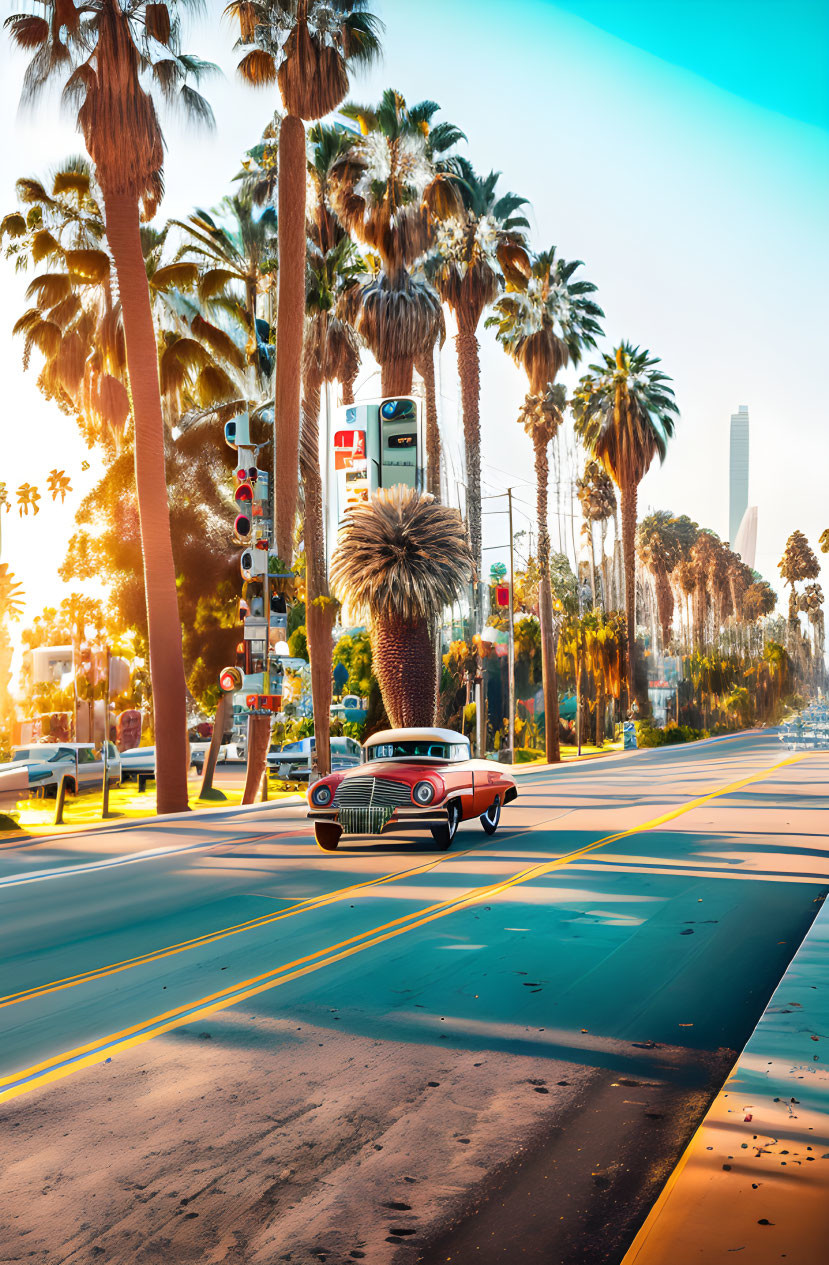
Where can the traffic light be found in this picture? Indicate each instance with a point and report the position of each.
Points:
(237, 432)
(243, 523)
(230, 680)
(254, 562)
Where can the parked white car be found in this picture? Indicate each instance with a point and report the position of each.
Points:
(293, 759)
(42, 764)
(140, 761)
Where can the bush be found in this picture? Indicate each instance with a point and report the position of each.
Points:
(528, 755)
(647, 735)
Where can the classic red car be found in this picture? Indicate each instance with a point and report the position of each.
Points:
(410, 778)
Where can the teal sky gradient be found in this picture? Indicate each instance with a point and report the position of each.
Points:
(768, 52)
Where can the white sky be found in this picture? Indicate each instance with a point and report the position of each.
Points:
(700, 216)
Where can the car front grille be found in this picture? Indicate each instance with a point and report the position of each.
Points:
(372, 792)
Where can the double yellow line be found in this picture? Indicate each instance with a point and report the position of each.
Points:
(70, 1061)
(301, 907)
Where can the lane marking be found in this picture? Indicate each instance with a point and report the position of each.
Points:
(304, 906)
(132, 858)
(308, 905)
(61, 1065)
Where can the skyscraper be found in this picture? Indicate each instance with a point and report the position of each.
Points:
(738, 472)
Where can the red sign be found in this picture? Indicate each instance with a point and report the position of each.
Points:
(502, 594)
(263, 702)
(349, 449)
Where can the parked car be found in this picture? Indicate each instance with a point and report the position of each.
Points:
(293, 759)
(139, 762)
(410, 778)
(44, 763)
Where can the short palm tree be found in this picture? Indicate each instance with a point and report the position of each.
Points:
(307, 47)
(114, 63)
(473, 252)
(541, 416)
(625, 412)
(401, 558)
(388, 192)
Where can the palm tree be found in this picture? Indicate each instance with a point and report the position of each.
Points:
(388, 193)
(625, 412)
(308, 48)
(111, 61)
(75, 319)
(473, 252)
(401, 558)
(541, 417)
(544, 322)
(663, 540)
(598, 505)
(798, 563)
(229, 257)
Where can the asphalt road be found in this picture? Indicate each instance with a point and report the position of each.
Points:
(620, 935)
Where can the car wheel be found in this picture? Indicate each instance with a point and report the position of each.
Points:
(446, 831)
(490, 819)
(327, 835)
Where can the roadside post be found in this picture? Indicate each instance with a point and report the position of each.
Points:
(61, 800)
(105, 798)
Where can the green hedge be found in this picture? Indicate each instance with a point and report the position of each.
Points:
(647, 735)
(528, 755)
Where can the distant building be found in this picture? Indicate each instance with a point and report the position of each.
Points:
(746, 542)
(738, 472)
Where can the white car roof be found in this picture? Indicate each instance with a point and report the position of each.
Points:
(415, 735)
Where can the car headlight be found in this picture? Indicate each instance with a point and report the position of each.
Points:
(423, 793)
(321, 795)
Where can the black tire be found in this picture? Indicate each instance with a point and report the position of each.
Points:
(490, 819)
(446, 831)
(327, 835)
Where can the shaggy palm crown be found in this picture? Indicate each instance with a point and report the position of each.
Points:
(401, 556)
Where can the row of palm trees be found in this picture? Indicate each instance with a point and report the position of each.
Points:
(262, 307)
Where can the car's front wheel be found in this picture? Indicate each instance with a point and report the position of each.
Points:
(327, 835)
(446, 831)
(490, 819)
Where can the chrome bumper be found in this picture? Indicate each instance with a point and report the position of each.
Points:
(400, 819)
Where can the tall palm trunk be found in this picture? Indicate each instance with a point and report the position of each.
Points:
(425, 366)
(396, 377)
(290, 314)
(348, 389)
(549, 681)
(605, 568)
(628, 498)
(319, 608)
(469, 370)
(617, 564)
(405, 666)
(164, 624)
(592, 562)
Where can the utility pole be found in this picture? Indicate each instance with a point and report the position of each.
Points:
(511, 631)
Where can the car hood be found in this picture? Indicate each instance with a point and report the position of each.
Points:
(409, 769)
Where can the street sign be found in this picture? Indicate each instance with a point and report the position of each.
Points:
(263, 702)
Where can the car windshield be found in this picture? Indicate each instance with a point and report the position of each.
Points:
(424, 749)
